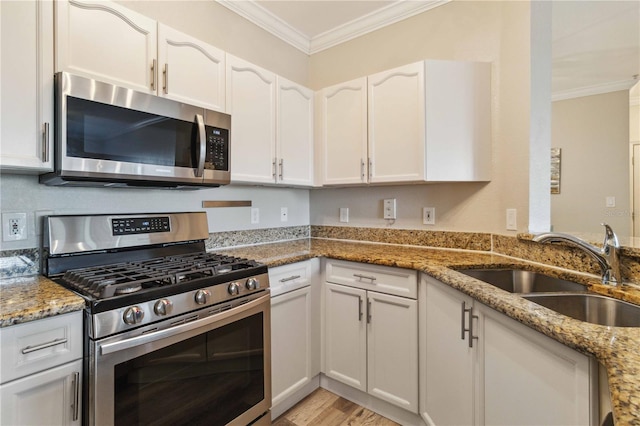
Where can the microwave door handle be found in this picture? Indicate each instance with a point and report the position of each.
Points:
(202, 147)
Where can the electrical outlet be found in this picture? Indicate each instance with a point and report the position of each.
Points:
(389, 209)
(512, 224)
(610, 201)
(429, 215)
(344, 214)
(14, 226)
(284, 214)
(255, 215)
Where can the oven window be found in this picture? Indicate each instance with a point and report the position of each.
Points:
(107, 132)
(209, 379)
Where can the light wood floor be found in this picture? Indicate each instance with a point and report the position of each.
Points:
(328, 409)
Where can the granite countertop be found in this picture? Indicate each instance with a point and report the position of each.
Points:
(30, 298)
(617, 348)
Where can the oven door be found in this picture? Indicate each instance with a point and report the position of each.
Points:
(213, 370)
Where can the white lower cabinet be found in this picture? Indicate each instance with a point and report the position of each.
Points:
(371, 338)
(51, 397)
(508, 375)
(295, 328)
(41, 372)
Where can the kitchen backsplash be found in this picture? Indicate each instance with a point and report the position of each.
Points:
(14, 263)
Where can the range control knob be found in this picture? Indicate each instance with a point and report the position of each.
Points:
(252, 284)
(163, 307)
(234, 289)
(133, 315)
(202, 296)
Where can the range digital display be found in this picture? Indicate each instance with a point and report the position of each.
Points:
(140, 225)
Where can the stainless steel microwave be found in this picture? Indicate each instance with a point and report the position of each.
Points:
(107, 135)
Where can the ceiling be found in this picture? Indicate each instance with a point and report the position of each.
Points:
(596, 44)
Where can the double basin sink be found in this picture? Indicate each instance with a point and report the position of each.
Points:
(565, 297)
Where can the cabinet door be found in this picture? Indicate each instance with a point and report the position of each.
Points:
(290, 343)
(251, 101)
(397, 124)
(190, 70)
(530, 379)
(346, 335)
(26, 85)
(108, 42)
(344, 133)
(392, 341)
(458, 106)
(448, 361)
(295, 134)
(51, 397)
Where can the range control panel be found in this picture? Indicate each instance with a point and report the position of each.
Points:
(140, 225)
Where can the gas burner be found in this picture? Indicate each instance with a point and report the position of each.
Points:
(128, 289)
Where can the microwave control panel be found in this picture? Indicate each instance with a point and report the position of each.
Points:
(217, 156)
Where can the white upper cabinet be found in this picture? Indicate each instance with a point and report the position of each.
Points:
(458, 121)
(251, 101)
(343, 133)
(190, 70)
(294, 132)
(108, 42)
(271, 127)
(429, 121)
(26, 86)
(396, 124)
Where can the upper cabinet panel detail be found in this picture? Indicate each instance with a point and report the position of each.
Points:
(108, 42)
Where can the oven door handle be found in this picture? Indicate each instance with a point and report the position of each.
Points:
(144, 339)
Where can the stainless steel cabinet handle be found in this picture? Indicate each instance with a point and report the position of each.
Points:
(471, 336)
(29, 349)
(365, 277)
(273, 168)
(370, 168)
(153, 75)
(291, 278)
(281, 164)
(463, 326)
(359, 308)
(45, 143)
(368, 311)
(165, 78)
(76, 395)
(362, 169)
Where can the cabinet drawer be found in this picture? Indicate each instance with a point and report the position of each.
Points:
(283, 279)
(383, 279)
(40, 345)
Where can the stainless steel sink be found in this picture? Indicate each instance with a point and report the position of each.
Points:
(590, 307)
(520, 281)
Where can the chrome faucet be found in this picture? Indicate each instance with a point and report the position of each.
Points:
(608, 257)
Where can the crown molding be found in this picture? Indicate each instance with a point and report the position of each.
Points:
(266, 20)
(597, 89)
(375, 20)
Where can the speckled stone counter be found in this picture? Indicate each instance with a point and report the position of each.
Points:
(35, 297)
(617, 348)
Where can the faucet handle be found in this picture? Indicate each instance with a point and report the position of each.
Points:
(610, 237)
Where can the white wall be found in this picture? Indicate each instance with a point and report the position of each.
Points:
(593, 133)
(497, 32)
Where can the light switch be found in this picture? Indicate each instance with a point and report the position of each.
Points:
(610, 201)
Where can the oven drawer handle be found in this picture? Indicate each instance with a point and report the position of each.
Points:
(29, 349)
(144, 339)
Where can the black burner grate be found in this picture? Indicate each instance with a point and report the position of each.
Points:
(102, 282)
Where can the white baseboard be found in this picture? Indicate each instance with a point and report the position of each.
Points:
(293, 399)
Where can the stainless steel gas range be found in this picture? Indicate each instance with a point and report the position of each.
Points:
(174, 335)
